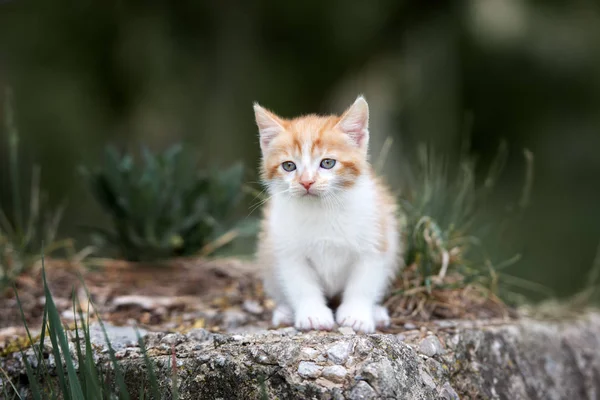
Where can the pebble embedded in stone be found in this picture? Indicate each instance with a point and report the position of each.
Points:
(430, 346)
(220, 360)
(346, 330)
(172, 339)
(339, 353)
(334, 373)
(309, 369)
(309, 352)
(448, 393)
(427, 379)
(287, 331)
(363, 390)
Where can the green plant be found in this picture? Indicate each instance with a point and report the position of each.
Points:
(166, 207)
(90, 379)
(22, 229)
(448, 229)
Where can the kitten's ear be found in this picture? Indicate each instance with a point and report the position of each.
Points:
(269, 125)
(355, 122)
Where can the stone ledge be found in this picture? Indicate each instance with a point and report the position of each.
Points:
(525, 359)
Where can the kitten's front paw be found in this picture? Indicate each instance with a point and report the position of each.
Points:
(358, 317)
(381, 316)
(316, 317)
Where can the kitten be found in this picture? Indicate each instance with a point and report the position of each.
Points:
(330, 227)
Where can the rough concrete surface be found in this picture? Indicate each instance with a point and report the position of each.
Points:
(526, 359)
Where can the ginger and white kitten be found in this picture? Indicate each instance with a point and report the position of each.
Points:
(330, 226)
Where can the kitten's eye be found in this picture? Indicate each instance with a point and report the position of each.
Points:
(288, 166)
(327, 163)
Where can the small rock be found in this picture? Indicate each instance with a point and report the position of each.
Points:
(309, 369)
(430, 346)
(409, 326)
(339, 353)
(199, 334)
(427, 379)
(121, 354)
(371, 372)
(220, 339)
(346, 330)
(321, 359)
(448, 393)
(172, 339)
(119, 336)
(453, 342)
(435, 369)
(287, 331)
(253, 307)
(220, 360)
(261, 357)
(335, 373)
(309, 353)
(327, 384)
(427, 347)
(362, 390)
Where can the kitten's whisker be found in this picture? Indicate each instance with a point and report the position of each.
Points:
(259, 194)
(264, 201)
(334, 200)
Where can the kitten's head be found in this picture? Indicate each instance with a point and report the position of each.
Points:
(313, 156)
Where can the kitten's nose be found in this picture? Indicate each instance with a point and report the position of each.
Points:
(307, 183)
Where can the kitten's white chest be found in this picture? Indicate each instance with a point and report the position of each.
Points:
(330, 240)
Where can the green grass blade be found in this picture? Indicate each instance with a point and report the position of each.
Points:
(60, 372)
(123, 392)
(82, 373)
(10, 382)
(94, 388)
(43, 333)
(59, 338)
(150, 367)
(20, 305)
(34, 386)
(94, 385)
(33, 379)
(5, 392)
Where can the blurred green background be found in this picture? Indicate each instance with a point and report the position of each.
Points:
(86, 74)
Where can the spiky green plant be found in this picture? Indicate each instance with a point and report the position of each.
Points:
(166, 206)
(21, 229)
(84, 380)
(448, 229)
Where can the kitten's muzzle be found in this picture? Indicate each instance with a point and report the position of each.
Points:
(307, 183)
